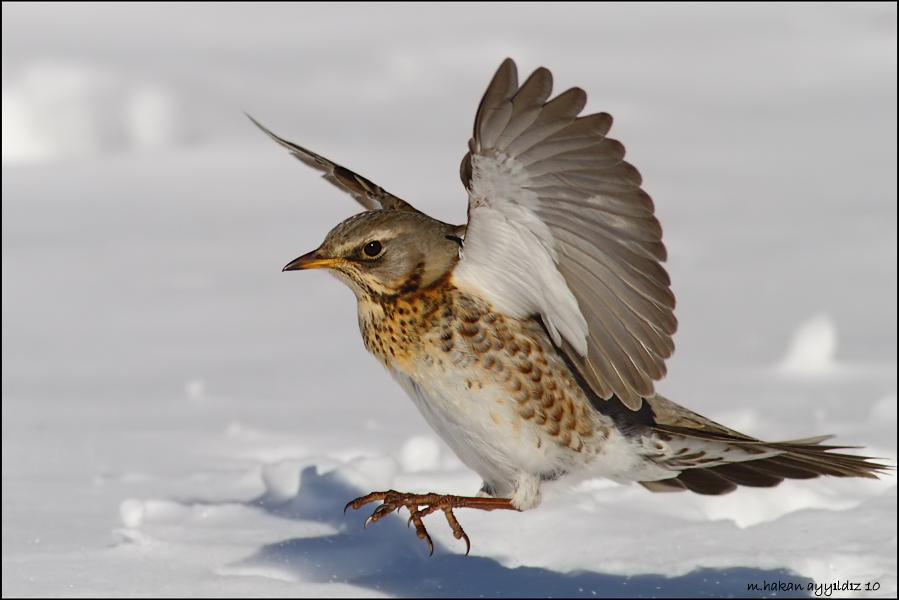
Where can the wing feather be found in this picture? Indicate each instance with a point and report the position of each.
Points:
(640, 274)
(558, 226)
(496, 107)
(652, 339)
(554, 116)
(636, 358)
(526, 106)
(650, 335)
(583, 133)
(366, 193)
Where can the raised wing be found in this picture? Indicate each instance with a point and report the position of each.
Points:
(558, 226)
(369, 195)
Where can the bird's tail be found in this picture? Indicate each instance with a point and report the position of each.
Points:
(796, 459)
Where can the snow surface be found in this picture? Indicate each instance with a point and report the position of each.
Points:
(181, 418)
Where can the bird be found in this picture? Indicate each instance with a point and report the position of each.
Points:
(531, 337)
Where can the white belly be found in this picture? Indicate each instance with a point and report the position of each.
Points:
(483, 428)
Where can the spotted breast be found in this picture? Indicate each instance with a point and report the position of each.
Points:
(475, 380)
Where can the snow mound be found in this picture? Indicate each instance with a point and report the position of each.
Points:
(54, 110)
(813, 348)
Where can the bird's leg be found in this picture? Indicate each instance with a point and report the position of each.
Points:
(393, 501)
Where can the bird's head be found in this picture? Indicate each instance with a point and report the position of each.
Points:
(386, 252)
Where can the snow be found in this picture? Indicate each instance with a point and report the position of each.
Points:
(181, 418)
(813, 348)
(420, 453)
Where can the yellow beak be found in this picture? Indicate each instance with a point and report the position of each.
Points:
(309, 261)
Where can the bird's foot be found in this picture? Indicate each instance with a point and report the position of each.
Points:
(421, 505)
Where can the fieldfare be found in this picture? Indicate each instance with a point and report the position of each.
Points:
(531, 337)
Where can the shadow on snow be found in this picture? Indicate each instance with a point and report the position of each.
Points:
(392, 560)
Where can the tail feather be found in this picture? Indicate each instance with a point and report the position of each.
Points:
(706, 481)
(749, 475)
(709, 458)
(797, 459)
(821, 460)
(784, 469)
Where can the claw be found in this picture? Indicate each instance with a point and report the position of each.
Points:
(423, 535)
(392, 501)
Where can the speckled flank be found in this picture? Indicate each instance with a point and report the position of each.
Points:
(442, 328)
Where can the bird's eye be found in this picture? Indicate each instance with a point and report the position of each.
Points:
(372, 249)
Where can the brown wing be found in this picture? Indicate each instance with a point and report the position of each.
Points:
(534, 167)
(368, 194)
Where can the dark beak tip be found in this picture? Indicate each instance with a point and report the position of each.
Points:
(298, 264)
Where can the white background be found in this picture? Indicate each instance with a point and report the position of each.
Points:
(165, 385)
